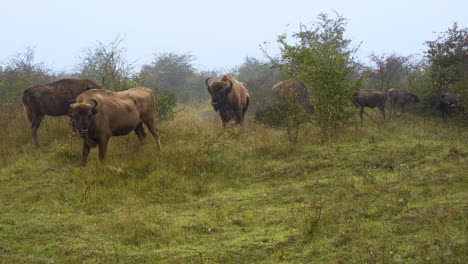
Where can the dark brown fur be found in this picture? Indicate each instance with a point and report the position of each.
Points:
(447, 102)
(400, 98)
(51, 99)
(100, 114)
(232, 103)
(370, 99)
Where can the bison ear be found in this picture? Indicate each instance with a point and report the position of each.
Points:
(94, 110)
(71, 102)
(69, 107)
(91, 85)
(229, 88)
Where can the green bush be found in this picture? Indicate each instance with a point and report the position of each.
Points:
(322, 60)
(288, 114)
(165, 103)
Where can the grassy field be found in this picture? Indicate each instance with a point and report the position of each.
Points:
(394, 193)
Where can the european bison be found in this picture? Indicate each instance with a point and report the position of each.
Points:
(448, 101)
(295, 90)
(51, 99)
(100, 114)
(370, 99)
(400, 98)
(230, 98)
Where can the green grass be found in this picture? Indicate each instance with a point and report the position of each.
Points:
(390, 194)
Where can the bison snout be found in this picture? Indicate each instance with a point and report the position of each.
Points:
(216, 105)
(83, 131)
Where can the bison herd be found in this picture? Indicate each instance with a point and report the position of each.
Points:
(97, 114)
(444, 101)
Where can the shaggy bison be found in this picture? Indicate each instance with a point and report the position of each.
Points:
(370, 99)
(400, 98)
(447, 102)
(51, 99)
(230, 98)
(295, 90)
(99, 114)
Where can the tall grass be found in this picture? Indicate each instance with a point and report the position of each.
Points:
(394, 193)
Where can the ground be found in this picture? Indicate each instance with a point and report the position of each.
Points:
(393, 192)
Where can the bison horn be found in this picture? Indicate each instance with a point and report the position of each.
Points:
(207, 85)
(71, 102)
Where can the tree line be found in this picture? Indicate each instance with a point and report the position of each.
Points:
(320, 56)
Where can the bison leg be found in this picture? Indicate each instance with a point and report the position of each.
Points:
(244, 110)
(402, 107)
(361, 113)
(239, 117)
(86, 148)
(141, 135)
(103, 147)
(382, 110)
(151, 125)
(224, 119)
(392, 109)
(35, 123)
(444, 110)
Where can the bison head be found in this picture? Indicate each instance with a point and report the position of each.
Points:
(219, 92)
(414, 98)
(82, 115)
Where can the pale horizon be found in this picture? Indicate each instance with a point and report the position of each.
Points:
(218, 34)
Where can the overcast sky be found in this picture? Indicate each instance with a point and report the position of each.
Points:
(220, 34)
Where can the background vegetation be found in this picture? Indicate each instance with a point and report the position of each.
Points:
(392, 192)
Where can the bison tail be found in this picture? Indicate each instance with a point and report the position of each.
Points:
(27, 107)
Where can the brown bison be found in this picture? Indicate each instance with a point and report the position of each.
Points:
(448, 102)
(295, 90)
(51, 99)
(370, 99)
(230, 98)
(400, 98)
(99, 114)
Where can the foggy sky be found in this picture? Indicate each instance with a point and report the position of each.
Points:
(220, 34)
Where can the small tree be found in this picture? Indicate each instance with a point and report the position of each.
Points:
(387, 71)
(322, 60)
(259, 76)
(174, 73)
(288, 113)
(417, 80)
(106, 63)
(20, 72)
(448, 58)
